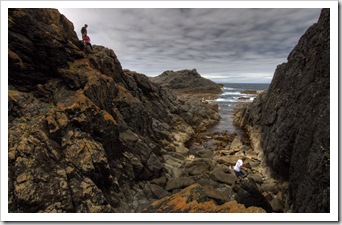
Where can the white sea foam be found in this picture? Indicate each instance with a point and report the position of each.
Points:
(226, 100)
(231, 93)
(229, 88)
(235, 99)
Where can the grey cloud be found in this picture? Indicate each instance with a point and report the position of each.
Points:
(228, 42)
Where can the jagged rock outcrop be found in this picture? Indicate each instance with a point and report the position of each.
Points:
(39, 45)
(188, 83)
(291, 124)
(85, 135)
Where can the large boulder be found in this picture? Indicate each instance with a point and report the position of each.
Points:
(249, 195)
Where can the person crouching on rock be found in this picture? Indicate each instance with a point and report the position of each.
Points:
(237, 169)
(87, 42)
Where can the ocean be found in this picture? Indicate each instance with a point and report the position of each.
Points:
(229, 98)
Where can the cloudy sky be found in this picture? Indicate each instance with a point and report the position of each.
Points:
(225, 45)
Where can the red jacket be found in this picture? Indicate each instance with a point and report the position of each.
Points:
(86, 39)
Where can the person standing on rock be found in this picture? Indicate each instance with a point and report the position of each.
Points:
(237, 169)
(84, 31)
(84, 35)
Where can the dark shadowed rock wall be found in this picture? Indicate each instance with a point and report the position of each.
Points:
(85, 135)
(292, 120)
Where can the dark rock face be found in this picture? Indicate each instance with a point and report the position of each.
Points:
(249, 195)
(44, 41)
(188, 82)
(85, 135)
(293, 118)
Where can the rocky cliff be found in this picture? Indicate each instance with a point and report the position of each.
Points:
(290, 123)
(84, 134)
(188, 83)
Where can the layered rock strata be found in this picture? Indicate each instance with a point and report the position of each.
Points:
(290, 123)
(84, 134)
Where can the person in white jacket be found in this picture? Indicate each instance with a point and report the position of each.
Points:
(237, 169)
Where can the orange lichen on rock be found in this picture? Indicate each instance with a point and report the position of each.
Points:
(192, 199)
